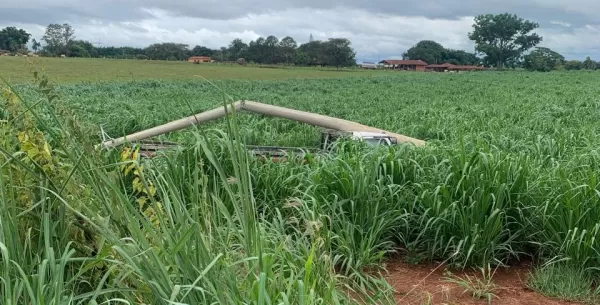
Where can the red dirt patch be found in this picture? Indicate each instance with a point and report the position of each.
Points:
(421, 283)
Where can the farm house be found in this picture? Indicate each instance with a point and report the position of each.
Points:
(199, 59)
(409, 65)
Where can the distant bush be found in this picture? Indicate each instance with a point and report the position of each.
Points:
(543, 60)
(574, 65)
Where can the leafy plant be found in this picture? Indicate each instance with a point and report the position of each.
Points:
(564, 281)
(479, 287)
(509, 173)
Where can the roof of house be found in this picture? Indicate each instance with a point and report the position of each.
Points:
(404, 62)
(199, 57)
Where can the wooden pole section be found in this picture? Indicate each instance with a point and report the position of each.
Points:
(270, 110)
(173, 126)
(322, 120)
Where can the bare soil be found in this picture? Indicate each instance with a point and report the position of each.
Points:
(428, 284)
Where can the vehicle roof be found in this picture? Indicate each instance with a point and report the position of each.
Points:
(356, 133)
(369, 134)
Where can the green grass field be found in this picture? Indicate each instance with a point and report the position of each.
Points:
(510, 174)
(69, 70)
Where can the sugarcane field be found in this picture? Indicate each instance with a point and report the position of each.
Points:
(209, 179)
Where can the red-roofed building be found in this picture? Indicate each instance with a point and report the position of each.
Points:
(410, 65)
(199, 59)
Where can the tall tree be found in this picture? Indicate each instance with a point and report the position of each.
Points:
(35, 45)
(503, 38)
(13, 39)
(255, 50)
(573, 65)
(432, 52)
(167, 51)
(301, 58)
(58, 38)
(543, 60)
(311, 54)
(237, 49)
(202, 51)
(221, 54)
(339, 53)
(81, 48)
(428, 51)
(589, 64)
(121, 52)
(270, 50)
(287, 48)
(460, 57)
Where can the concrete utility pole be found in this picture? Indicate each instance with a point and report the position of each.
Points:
(265, 109)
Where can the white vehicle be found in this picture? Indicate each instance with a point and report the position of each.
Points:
(370, 137)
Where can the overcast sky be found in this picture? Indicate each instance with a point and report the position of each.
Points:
(378, 29)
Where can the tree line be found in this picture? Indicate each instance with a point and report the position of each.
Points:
(432, 52)
(545, 60)
(59, 40)
(13, 39)
(501, 41)
(504, 41)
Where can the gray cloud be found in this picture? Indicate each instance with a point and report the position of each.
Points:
(574, 12)
(377, 28)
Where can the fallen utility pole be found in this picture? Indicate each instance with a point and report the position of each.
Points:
(265, 109)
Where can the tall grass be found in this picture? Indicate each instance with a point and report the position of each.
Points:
(474, 208)
(229, 228)
(84, 239)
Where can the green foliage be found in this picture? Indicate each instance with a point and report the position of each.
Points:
(503, 37)
(479, 287)
(432, 52)
(35, 45)
(543, 60)
(44, 246)
(460, 57)
(58, 39)
(311, 53)
(428, 51)
(335, 52)
(81, 48)
(563, 281)
(574, 65)
(167, 51)
(73, 70)
(202, 51)
(239, 49)
(589, 64)
(120, 52)
(287, 49)
(510, 173)
(501, 195)
(339, 53)
(210, 246)
(14, 40)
